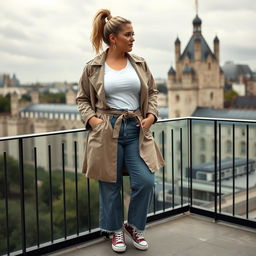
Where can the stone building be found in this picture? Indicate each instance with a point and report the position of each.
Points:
(240, 76)
(198, 80)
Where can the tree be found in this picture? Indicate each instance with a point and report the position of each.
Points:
(5, 105)
(229, 97)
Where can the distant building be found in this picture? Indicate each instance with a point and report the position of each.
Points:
(7, 81)
(198, 80)
(244, 102)
(240, 77)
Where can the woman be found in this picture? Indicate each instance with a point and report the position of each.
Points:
(117, 100)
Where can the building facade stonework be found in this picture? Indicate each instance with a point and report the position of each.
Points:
(198, 80)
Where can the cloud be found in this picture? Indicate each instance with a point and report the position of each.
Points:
(50, 39)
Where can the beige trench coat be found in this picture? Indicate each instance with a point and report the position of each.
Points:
(100, 158)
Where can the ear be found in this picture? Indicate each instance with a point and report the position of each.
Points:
(112, 39)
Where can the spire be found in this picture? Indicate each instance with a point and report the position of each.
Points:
(171, 71)
(216, 39)
(177, 41)
(197, 25)
(196, 5)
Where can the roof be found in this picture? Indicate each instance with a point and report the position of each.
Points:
(163, 112)
(232, 71)
(216, 39)
(197, 20)
(245, 102)
(225, 164)
(171, 70)
(225, 113)
(189, 50)
(177, 41)
(51, 108)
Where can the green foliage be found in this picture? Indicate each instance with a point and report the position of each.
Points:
(44, 205)
(229, 96)
(13, 177)
(25, 97)
(5, 104)
(47, 97)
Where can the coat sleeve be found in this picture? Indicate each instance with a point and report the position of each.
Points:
(83, 99)
(152, 94)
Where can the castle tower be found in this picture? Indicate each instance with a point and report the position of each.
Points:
(34, 97)
(70, 97)
(198, 79)
(14, 103)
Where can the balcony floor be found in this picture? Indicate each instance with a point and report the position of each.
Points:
(186, 234)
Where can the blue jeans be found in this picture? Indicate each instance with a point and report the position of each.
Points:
(141, 182)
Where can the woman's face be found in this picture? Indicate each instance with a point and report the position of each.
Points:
(125, 38)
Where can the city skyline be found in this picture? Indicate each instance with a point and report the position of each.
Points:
(48, 40)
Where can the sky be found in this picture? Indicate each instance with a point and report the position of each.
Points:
(49, 40)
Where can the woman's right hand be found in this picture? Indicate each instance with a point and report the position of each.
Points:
(94, 121)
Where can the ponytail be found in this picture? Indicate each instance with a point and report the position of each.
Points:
(101, 29)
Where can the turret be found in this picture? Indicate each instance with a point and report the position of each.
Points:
(177, 49)
(216, 46)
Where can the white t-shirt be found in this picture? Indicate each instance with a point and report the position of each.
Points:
(122, 87)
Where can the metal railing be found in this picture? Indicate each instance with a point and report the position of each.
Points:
(46, 204)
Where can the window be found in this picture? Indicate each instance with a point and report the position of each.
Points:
(177, 97)
(243, 131)
(228, 147)
(211, 96)
(242, 147)
(202, 144)
(202, 158)
(209, 66)
(229, 131)
(201, 176)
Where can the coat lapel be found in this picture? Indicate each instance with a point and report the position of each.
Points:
(137, 64)
(97, 75)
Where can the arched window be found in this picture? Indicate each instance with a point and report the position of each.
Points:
(177, 97)
(211, 96)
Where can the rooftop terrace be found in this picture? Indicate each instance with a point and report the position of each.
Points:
(184, 234)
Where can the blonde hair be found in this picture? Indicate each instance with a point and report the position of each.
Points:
(101, 29)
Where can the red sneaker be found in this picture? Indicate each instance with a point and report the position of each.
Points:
(137, 237)
(118, 242)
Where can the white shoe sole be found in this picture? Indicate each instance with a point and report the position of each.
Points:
(136, 245)
(118, 249)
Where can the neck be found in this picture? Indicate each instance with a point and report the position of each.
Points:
(115, 54)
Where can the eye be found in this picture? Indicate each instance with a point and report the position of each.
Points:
(129, 34)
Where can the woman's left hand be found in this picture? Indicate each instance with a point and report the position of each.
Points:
(148, 121)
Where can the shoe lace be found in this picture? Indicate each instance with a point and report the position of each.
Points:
(119, 236)
(138, 234)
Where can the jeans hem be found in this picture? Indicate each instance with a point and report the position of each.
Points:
(110, 231)
(139, 230)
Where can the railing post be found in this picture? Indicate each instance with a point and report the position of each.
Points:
(190, 176)
(22, 197)
(215, 169)
(6, 204)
